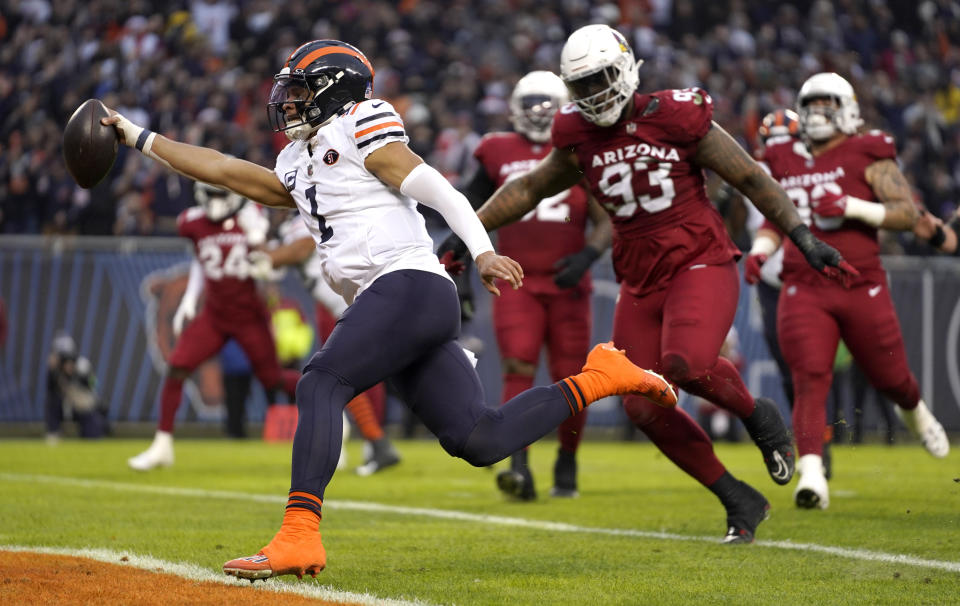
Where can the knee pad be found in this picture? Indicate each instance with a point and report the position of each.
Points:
(640, 410)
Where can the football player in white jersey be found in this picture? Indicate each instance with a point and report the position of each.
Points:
(297, 248)
(350, 173)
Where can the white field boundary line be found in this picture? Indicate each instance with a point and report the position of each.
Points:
(193, 572)
(843, 552)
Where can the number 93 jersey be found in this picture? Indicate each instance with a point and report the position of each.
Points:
(642, 172)
(362, 228)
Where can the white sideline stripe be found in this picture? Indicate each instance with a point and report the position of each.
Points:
(843, 552)
(196, 573)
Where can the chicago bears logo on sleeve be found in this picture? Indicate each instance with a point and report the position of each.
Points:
(330, 158)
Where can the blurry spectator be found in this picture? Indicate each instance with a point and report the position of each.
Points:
(3, 322)
(198, 62)
(212, 18)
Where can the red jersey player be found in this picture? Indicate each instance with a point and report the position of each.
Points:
(643, 157)
(220, 228)
(849, 185)
(553, 307)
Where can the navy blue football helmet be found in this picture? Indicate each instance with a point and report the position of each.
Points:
(316, 83)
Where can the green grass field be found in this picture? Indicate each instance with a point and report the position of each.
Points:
(891, 535)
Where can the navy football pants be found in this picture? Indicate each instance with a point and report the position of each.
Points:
(403, 327)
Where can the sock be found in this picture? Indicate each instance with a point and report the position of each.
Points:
(289, 378)
(303, 511)
(514, 384)
(570, 432)
(725, 487)
(810, 413)
(170, 396)
(378, 401)
(361, 411)
(321, 398)
(723, 386)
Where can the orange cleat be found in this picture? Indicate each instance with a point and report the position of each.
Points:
(609, 372)
(287, 553)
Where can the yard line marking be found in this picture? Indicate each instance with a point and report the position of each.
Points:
(445, 514)
(196, 573)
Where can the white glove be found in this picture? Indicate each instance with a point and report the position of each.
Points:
(185, 312)
(261, 266)
(254, 224)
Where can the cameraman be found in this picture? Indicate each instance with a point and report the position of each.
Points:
(71, 392)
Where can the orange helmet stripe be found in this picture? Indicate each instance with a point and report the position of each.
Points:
(328, 50)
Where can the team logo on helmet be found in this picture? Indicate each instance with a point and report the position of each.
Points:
(599, 68)
(330, 158)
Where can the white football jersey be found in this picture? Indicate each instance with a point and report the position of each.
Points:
(294, 229)
(362, 227)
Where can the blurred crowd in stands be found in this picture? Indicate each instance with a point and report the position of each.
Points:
(201, 71)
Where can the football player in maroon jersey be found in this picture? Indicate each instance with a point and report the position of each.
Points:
(221, 228)
(849, 185)
(553, 307)
(643, 157)
(776, 125)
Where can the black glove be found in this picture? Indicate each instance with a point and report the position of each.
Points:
(465, 291)
(453, 262)
(821, 256)
(570, 269)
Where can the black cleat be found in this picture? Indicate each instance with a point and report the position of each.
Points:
(770, 434)
(517, 482)
(565, 475)
(747, 509)
(382, 455)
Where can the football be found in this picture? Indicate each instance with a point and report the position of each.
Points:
(89, 148)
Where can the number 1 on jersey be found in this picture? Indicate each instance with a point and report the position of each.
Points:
(325, 232)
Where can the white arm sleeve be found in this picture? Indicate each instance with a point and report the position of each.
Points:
(870, 213)
(428, 186)
(194, 283)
